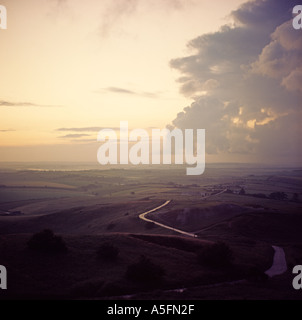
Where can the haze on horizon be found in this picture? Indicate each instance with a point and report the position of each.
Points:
(70, 68)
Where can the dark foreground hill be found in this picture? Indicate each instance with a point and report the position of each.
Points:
(82, 273)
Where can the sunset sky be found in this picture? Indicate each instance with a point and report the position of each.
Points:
(71, 67)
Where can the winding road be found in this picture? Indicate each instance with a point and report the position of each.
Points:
(190, 234)
(278, 267)
(143, 217)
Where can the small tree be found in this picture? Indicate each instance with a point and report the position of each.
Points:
(242, 192)
(46, 241)
(216, 255)
(107, 252)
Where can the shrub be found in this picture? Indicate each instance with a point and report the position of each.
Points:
(242, 192)
(216, 255)
(108, 252)
(145, 272)
(278, 196)
(46, 241)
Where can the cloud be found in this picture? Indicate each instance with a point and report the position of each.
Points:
(127, 91)
(7, 130)
(85, 129)
(114, 13)
(60, 2)
(118, 90)
(281, 58)
(245, 82)
(4, 103)
(117, 11)
(68, 136)
(263, 14)
(85, 140)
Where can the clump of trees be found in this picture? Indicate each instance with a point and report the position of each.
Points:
(278, 196)
(145, 272)
(46, 241)
(215, 255)
(107, 252)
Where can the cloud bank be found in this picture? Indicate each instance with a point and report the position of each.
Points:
(246, 83)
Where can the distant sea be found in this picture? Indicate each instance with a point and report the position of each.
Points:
(83, 166)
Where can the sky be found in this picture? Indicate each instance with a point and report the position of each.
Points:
(72, 67)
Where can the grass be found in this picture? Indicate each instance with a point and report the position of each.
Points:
(106, 209)
(78, 273)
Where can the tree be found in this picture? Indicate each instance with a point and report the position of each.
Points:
(242, 192)
(278, 196)
(46, 241)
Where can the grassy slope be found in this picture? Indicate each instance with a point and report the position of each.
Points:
(78, 274)
(102, 218)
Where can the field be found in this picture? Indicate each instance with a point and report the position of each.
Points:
(248, 208)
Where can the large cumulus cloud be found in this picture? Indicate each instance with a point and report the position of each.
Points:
(245, 81)
(281, 58)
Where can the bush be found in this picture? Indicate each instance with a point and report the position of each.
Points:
(145, 272)
(278, 196)
(242, 192)
(108, 252)
(46, 241)
(216, 255)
